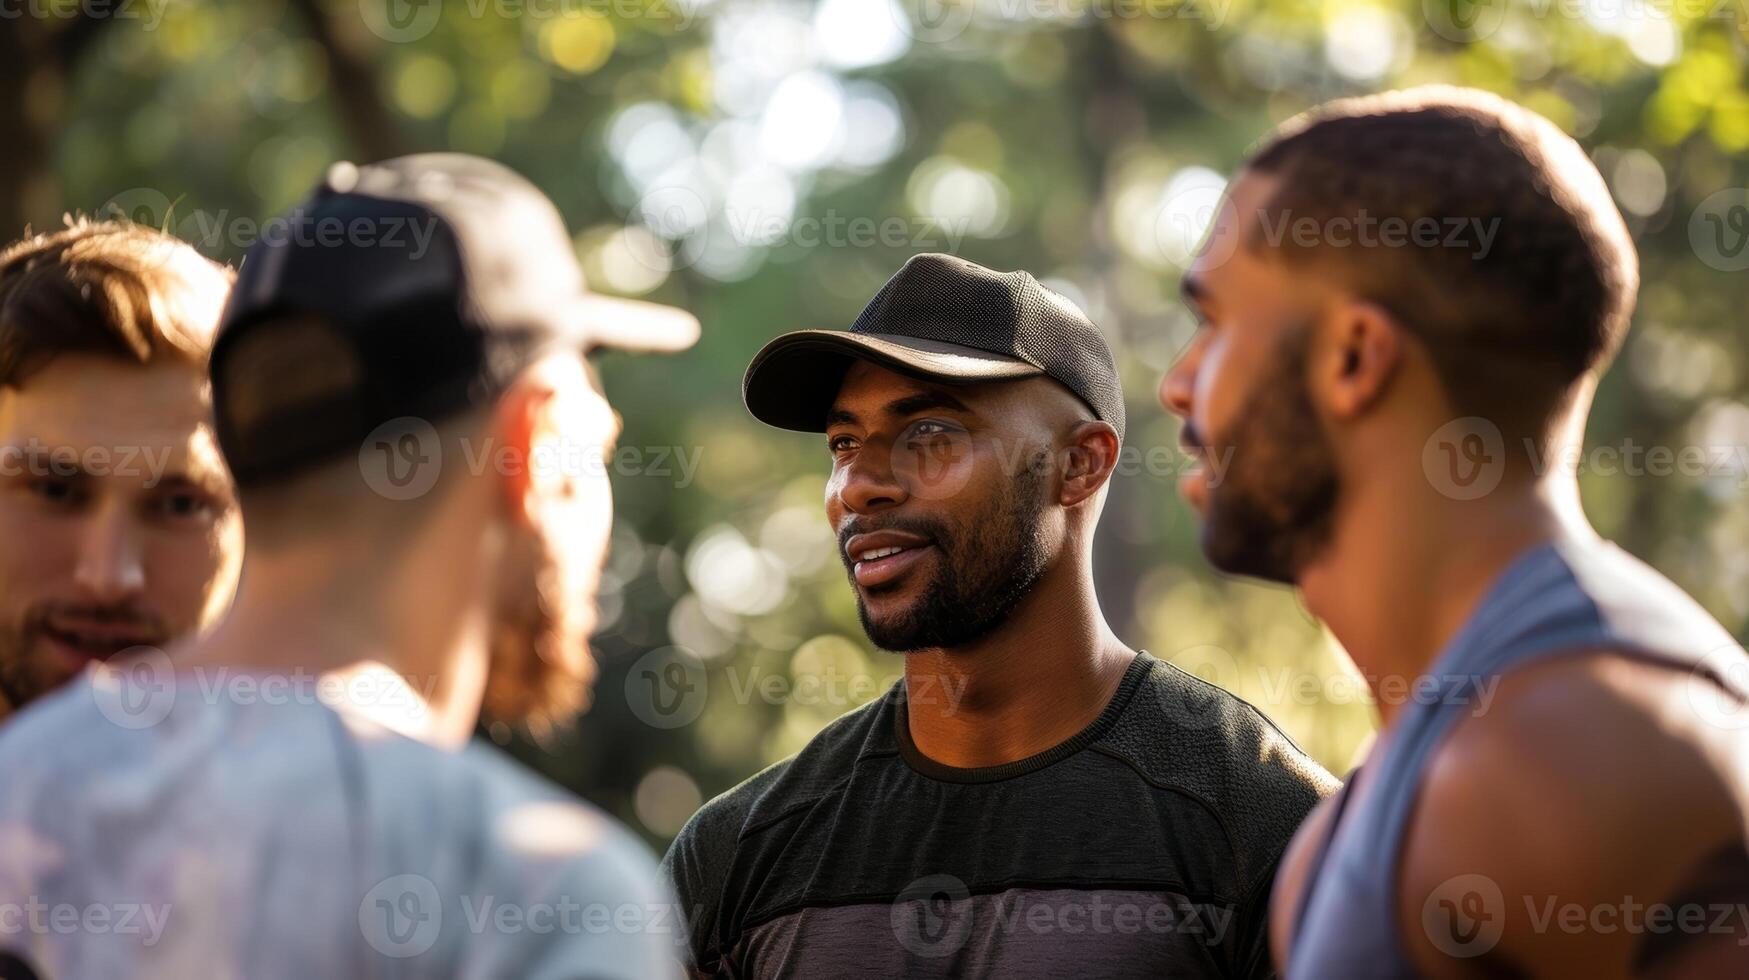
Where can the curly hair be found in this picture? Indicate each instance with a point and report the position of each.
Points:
(1514, 319)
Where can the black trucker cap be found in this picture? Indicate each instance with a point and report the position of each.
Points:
(416, 287)
(944, 319)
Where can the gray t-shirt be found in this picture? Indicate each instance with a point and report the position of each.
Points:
(1144, 846)
(215, 834)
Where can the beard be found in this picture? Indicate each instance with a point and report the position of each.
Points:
(26, 670)
(540, 667)
(1273, 510)
(23, 678)
(986, 567)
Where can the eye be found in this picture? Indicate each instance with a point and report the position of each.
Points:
(184, 505)
(59, 493)
(927, 432)
(841, 444)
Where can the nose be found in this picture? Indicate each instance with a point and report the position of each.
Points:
(867, 484)
(111, 566)
(1178, 387)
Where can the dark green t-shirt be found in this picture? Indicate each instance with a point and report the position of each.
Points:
(1144, 846)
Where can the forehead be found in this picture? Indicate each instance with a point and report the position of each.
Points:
(592, 395)
(1239, 278)
(82, 401)
(1225, 252)
(869, 391)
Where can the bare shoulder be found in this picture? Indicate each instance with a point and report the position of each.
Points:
(1293, 875)
(1585, 791)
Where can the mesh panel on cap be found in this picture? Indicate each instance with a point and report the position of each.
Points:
(946, 298)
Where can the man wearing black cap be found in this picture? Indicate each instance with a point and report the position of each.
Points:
(1034, 798)
(295, 796)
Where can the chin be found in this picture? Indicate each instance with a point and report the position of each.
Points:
(1249, 555)
(885, 629)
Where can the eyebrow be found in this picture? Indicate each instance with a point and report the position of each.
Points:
(922, 401)
(206, 482)
(43, 464)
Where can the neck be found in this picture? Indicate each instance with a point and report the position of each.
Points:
(405, 648)
(1406, 567)
(1036, 680)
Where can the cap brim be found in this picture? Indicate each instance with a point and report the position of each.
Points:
(629, 324)
(793, 380)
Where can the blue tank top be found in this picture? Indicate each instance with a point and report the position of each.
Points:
(1559, 598)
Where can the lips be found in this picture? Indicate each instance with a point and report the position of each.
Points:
(1193, 483)
(80, 639)
(882, 557)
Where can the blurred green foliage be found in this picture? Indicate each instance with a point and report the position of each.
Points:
(769, 164)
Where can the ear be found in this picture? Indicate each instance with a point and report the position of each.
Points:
(1088, 461)
(1365, 347)
(522, 423)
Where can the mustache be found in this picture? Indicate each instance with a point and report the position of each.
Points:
(110, 614)
(1190, 438)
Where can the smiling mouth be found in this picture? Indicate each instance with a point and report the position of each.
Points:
(877, 567)
(82, 645)
(872, 554)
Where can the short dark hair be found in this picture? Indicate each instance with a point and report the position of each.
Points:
(1513, 324)
(105, 287)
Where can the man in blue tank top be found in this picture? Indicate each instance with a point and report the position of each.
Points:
(1405, 304)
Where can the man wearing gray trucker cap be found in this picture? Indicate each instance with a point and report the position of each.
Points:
(296, 796)
(1034, 798)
